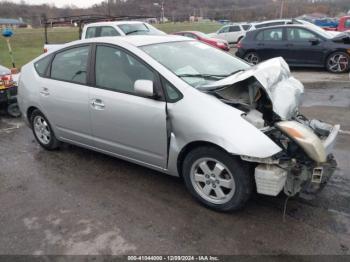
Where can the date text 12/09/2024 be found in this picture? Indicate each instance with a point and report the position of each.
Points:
(173, 258)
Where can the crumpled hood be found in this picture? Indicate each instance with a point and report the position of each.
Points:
(274, 75)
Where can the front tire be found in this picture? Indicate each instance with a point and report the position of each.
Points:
(42, 131)
(217, 179)
(338, 62)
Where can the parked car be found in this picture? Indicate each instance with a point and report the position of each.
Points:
(111, 29)
(8, 93)
(219, 43)
(183, 108)
(342, 25)
(231, 33)
(299, 45)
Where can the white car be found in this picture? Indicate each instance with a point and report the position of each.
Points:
(112, 29)
(231, 33)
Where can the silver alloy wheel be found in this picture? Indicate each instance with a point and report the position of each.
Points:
(212, 180)
(42, 130)
(338, 63)
(252, 58)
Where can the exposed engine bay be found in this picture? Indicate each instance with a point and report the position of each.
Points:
(269, 101)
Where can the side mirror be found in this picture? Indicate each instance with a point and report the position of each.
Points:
(144, 88)
(314, 41)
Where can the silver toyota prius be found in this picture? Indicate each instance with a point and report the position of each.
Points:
(184, 108)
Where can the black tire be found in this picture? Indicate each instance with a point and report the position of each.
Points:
(53, 143)
(252, 58)
(335, 67)
(243, 180)
(13, 110)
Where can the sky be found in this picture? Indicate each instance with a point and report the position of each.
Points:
(60, 3)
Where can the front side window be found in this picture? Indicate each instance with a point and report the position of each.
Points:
(196, 63)
(71, 65)
(275, 34)
(224, 30)
(108, 31)
(118, 71)
(299, 34)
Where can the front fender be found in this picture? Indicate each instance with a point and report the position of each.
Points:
(216, 123)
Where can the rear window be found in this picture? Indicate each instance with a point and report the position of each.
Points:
(42, 65)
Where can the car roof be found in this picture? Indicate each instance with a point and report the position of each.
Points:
(115, 23)
(137, 40)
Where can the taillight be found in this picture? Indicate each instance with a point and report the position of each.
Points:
(45, 50)
(239, 44)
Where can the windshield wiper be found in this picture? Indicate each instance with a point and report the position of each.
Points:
(135, 31)
(209, 76)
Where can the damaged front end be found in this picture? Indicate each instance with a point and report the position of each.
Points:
(269, 97)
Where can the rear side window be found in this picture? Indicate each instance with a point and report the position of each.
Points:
(108, 31)
(275, 34)
(224, 30)
(71, 65)
(91, 32)
(42, 64)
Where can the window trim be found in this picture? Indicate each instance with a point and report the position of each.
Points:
(160, 93)
(88, 69)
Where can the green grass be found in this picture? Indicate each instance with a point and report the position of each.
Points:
(28, 43)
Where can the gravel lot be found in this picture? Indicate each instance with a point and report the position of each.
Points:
(74, 201)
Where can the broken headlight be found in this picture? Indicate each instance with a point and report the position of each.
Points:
(305, 138)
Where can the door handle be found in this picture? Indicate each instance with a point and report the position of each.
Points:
(97, 104)
(45, 91)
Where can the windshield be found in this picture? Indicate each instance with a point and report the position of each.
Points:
(134, 29)
(196, 63)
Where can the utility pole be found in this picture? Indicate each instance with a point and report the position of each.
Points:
(282, 9)
(163, 15)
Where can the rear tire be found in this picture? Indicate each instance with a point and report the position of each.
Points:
(217, 179)
(252, 58)
(42, 131)
(338, 62)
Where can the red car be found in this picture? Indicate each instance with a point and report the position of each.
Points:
(219, 43)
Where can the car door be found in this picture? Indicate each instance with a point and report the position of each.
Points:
(270, 43)
(233, 34)
(304, 47)
(64, 95)
(124, 123)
